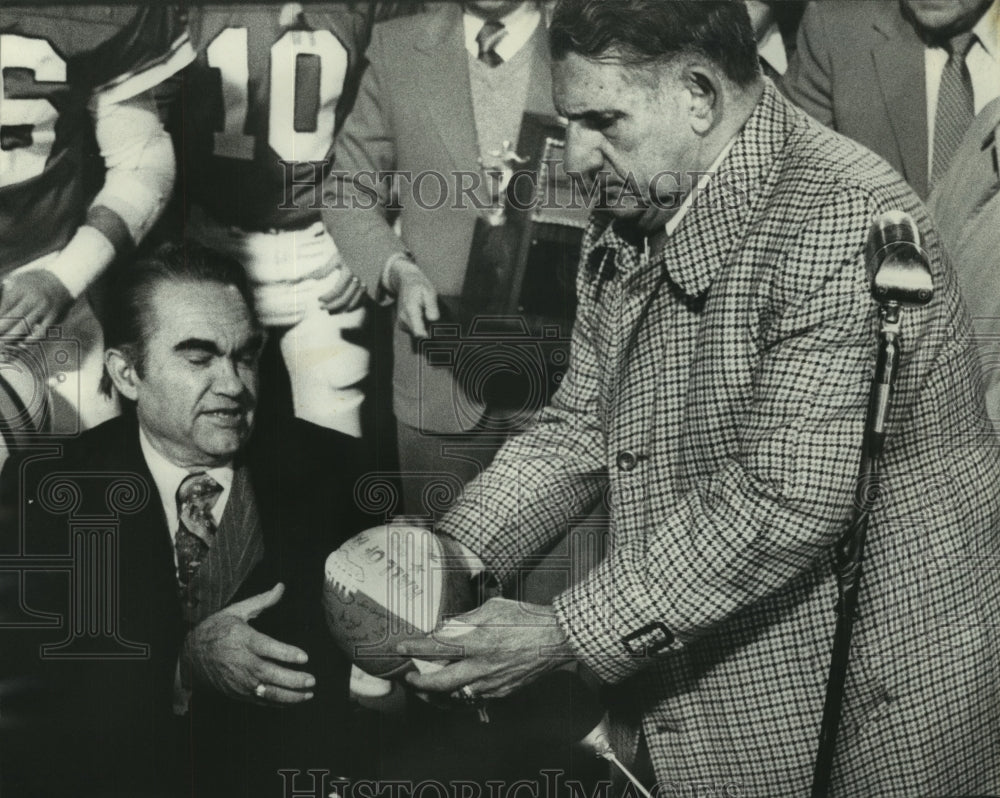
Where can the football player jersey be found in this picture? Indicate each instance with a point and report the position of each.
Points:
(54, 62)
(272, 84)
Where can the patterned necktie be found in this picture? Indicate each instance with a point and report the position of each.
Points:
(955, 105)
(488, 38)
(196, 497)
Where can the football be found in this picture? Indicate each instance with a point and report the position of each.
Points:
(389, 584)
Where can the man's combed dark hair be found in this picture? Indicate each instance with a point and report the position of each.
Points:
(128, 310)
(641, 32)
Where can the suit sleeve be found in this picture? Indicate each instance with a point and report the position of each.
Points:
(771, 511)
(355, 199)
(546, 476)
(809, 80)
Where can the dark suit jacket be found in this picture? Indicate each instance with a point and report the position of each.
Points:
(859, 68)
(414, 114)
(115, 715)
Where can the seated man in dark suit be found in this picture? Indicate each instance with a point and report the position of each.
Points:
(207, 668)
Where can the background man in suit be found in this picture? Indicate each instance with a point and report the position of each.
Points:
(717, 391)
(219, 559)
(442, 93)
(966, 207)
(903, 77)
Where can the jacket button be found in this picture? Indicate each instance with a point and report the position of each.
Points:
(626, 461)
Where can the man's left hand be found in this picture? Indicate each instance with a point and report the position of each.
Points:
(35, 297)
(504, 646)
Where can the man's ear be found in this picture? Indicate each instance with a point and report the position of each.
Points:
(122, 372)
(705, 90)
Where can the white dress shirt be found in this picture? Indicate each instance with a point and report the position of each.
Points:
(519, 24)
(674, 221)
(771, 48)
(983, 62)
(168, 477)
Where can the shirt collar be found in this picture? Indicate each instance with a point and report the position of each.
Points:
(697, 249)
(771, 47)
(606, 235)
(520, 24)
(674, 221)
(167, 477)
(987, 30)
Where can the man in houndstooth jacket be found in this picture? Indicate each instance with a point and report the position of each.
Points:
(719, 378)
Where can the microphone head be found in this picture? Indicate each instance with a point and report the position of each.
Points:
(893, 227)
(898, 266)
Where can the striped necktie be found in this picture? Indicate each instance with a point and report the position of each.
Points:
(955, 105)
(488, 38)
(196, 529)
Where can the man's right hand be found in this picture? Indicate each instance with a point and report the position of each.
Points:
(225, 653)
(416, 296)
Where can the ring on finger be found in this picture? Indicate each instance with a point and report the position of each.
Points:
(469, 698)
(467, 695)
(260, 690)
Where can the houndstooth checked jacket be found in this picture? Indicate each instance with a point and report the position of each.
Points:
(716, 398)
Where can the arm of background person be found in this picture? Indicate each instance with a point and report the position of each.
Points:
(355, 200)
(151, 46)
(140, 170)
(140, 174)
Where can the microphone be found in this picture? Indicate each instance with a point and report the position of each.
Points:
(597, 743)
(898, 267)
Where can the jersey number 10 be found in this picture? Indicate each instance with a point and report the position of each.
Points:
(301, 117)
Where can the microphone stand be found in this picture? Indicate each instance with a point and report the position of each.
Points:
(900, 276)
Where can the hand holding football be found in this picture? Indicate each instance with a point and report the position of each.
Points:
(389, 584)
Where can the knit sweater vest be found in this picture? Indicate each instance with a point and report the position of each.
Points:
(498, 97)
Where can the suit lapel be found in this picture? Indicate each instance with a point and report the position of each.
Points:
(539, 98)
(899, 65)
(237, 549)
(448, 97)
(147, 531)
(146, 570)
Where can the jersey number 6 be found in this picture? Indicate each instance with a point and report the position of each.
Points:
(27, 124)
